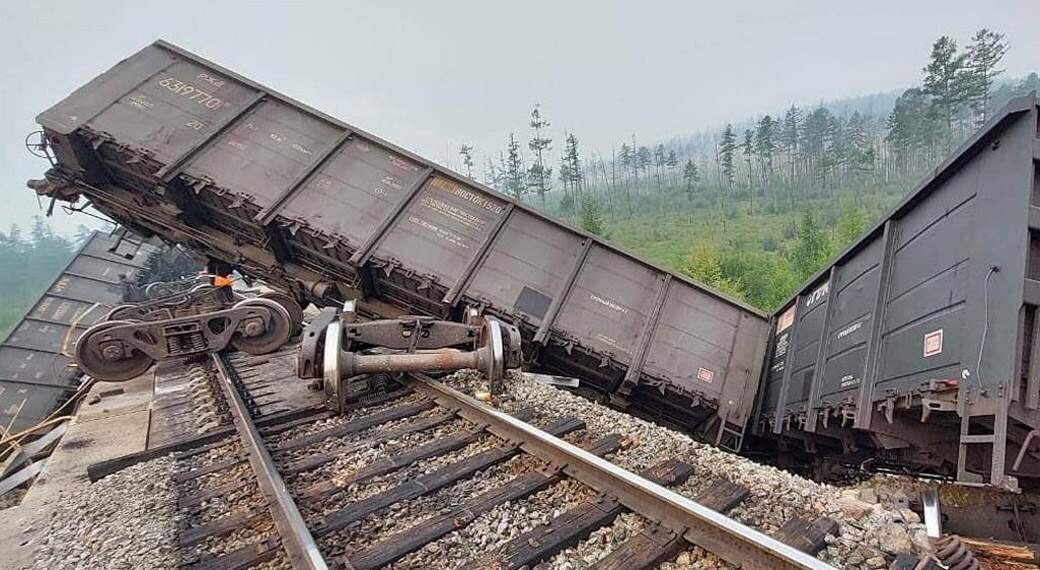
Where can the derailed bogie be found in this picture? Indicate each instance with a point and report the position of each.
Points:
(117, 351)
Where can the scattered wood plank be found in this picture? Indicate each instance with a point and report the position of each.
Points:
(32, 449)
(105, 468)
(17, 478)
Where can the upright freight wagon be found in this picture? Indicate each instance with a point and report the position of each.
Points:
(34, 377)
(920, 344)
(172, 145)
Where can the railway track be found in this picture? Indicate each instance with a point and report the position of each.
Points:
(399, 480)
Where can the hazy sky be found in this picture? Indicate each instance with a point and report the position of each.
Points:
(431, 75)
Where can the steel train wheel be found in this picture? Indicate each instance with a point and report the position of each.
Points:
(91, 361)
(276, 334)
(291, 306)
(114, 313)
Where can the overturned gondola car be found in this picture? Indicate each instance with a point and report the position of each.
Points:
(172, 145)
(919, 345)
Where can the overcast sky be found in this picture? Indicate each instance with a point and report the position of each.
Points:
(431, 75)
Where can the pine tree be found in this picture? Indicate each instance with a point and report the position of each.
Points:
(591, 218)
(672, 162)
(789, 137)
(571, 174)
(727, 150)
(946, 81)
(514, 169)
(765, 142)
(985, 53)
(812, 249)
(704, 264)
(851, 224)
(660, 157)
(539, 175)
(690, 178)
(466, 152)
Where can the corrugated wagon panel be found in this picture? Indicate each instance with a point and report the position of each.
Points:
(355, 191)
(609, 304)
(527, 267)
(442, 228)
(693, 342)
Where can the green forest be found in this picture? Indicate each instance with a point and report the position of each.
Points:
(751, 208)
(31, 261)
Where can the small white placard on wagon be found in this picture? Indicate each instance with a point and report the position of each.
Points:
(705, 375)
(933, 342)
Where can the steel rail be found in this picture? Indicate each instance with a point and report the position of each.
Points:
(728, 539)
(296, 538)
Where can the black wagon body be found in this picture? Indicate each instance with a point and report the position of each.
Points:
(919, 344)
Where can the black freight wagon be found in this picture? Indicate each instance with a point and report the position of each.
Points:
(170, 144)
(919, 345)
(34, 377)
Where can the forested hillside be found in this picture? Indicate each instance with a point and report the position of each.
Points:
(755, 208)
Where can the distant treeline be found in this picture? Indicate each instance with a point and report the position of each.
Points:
(811, 178)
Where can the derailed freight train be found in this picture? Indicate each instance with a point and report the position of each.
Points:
(169, 144)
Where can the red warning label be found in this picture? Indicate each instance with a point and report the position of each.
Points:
(933, 343)
(705, 375)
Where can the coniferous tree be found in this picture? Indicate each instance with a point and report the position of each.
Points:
(812, 249)
(765, 143)
(985, 53)
(690, 178)
(789, 137)
(591, 217)
(466, 152)
(727, 150)
(514, 170)
(539, 175)
(947, 82)
(672, 162)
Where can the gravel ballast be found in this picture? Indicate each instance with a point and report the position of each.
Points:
(124, 521)
(869, 537)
